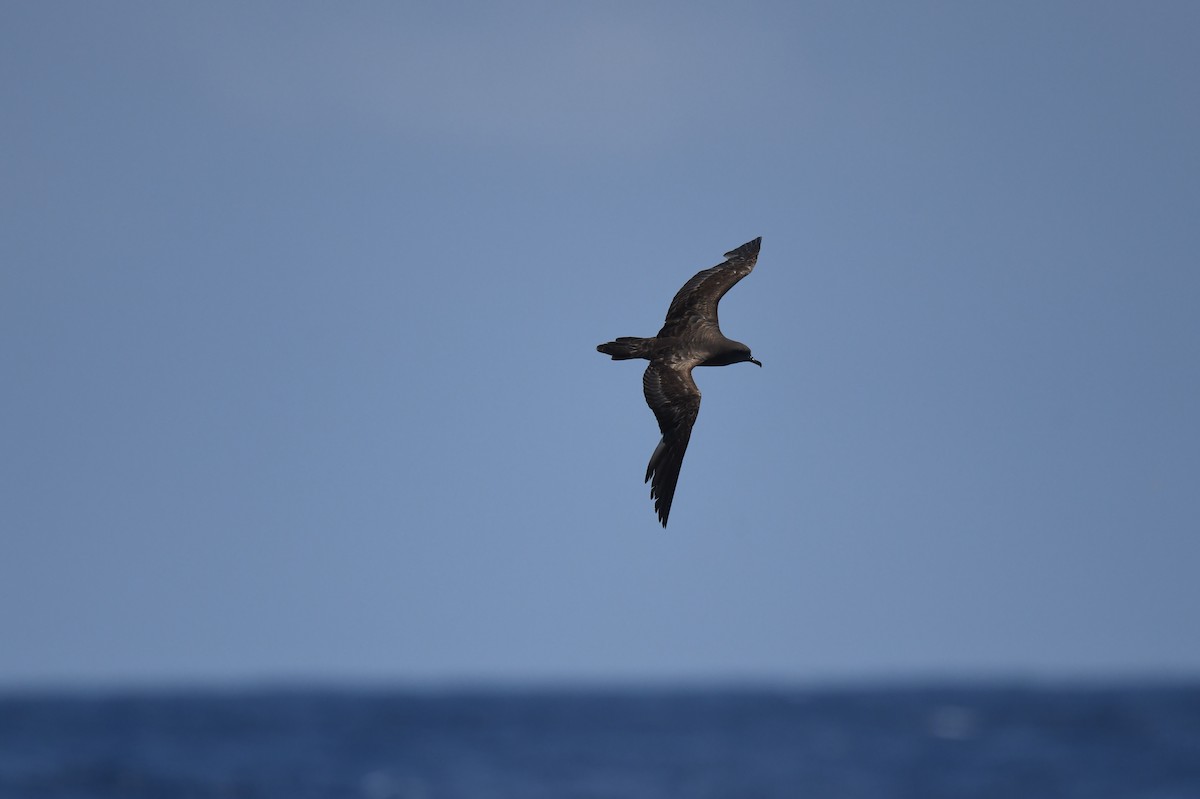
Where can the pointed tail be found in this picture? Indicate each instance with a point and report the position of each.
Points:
(627, 347)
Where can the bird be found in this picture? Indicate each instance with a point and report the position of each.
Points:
(691, 336)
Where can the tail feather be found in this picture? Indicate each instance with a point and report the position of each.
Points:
(626, 347)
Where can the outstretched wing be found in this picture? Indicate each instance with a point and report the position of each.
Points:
(696, 302)
(672, 395)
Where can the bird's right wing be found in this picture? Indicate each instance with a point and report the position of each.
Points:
(696, 303)
(672, 395)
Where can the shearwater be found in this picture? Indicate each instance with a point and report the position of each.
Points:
(690, 337)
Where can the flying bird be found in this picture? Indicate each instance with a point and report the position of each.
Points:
(690, 337)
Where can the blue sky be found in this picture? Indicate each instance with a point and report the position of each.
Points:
(298, 308)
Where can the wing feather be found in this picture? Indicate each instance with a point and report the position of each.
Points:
(697, 301)
(673, 396)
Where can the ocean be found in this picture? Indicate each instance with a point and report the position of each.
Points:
(998, 742)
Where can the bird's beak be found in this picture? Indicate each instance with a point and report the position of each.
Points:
(756, 363)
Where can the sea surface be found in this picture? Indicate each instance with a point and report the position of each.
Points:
(1014, 742)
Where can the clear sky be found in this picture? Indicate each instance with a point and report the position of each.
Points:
(299, 302)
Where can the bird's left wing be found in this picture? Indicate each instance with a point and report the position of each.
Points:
(672, 395)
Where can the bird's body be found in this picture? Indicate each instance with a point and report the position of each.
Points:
(691, 336)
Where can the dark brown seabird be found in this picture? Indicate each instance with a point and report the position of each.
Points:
(690, 337)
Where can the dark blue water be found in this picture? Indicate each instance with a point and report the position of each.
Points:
(1010, 743)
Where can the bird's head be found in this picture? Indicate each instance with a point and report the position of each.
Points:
(742, 353)
(733, 352)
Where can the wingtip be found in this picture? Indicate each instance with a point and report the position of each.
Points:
(662, 513)
(747, 250)
(661, 509)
